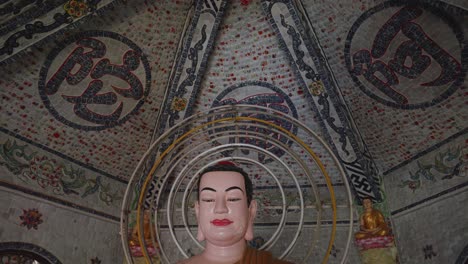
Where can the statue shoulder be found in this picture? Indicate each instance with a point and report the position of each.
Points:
(186, 261)
(193, 260)
(255, 254)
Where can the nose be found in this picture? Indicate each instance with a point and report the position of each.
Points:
(220, 206)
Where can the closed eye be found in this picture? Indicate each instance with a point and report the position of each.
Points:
(207, 200)
(234, 199)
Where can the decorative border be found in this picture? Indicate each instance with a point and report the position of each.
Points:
(52, 198)
(59, 201)
(109, 4)
(177, 88)
(29, 248)
(38, 27)
(79, 163)
(428, 150)
(20, 18)
(364, 185)
(191, 50)
(427, 199)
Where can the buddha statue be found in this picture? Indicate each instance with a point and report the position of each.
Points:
(134, 241)
(372, 222)
(225, 213)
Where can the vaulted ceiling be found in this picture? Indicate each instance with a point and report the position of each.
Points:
(87, 86)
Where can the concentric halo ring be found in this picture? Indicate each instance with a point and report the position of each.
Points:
(233, 122)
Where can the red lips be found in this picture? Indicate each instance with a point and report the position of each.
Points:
(221, 222)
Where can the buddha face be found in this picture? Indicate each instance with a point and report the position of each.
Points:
(367, 203)
(224, 217)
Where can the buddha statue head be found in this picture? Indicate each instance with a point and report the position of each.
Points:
(225, 213)
(367, 203)
(225, 209)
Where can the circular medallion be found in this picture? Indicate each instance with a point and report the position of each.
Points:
(407, 56)
(266, 95)
(95, 80)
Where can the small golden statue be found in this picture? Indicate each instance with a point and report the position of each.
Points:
(372, 222)
(133, 241)
(136, 249)
(374, 240)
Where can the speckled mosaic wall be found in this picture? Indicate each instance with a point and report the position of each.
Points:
(78, 111)
(382, 81)
(67, 235)
(126, 87)
(249, 65)
(401, 105)
(401, 70)
(432, 192)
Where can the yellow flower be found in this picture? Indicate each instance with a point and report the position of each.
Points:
(76, 8)
(316, 88)
(179, 104)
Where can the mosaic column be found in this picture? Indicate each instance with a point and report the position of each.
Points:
(28, 22)
(312, 72)
(191, 64)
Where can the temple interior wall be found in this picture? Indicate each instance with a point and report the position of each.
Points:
(64, 171)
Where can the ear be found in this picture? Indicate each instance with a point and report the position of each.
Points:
(200, 234)
(249, 234)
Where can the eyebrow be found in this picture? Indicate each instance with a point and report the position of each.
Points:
(227, 190)
(208, 189)
(233, 188)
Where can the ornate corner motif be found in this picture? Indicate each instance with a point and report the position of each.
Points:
(316, 88)
(31, 218)
(179, 104)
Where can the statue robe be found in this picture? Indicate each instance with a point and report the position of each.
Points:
(253, 256)
(373, 220)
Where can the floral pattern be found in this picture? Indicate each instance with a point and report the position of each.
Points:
(76, 8)
(48, 173)
(446, 165)
(316, 88)
(179, 104)
(31, 218)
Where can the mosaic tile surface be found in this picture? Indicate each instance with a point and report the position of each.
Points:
(103, 118)
(432, 99)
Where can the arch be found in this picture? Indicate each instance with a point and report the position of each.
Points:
(28, 251)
